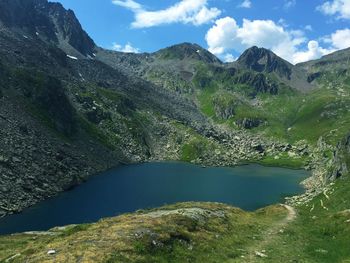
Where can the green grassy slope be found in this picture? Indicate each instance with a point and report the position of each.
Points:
(290, 115)
(196, 232)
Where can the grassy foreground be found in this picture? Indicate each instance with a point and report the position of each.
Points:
(200, 232)
(188, 232)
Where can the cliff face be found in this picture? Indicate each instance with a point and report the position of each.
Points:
(341, 158)
(47, 21)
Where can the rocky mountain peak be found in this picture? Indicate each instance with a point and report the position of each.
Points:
(70, 30)
(187, 51)
(264, 60)
(50, 22)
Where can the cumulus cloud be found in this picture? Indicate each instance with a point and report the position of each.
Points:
(340, 8)
(227, 36)
(340, 39)
(314, 51)
(246, 4)
(229, 58)
(128, 48)
(194, 12)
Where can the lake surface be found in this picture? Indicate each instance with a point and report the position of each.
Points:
(132, 187)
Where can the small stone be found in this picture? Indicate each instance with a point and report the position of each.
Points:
(51, 252)
(260, 254)
(16, 160)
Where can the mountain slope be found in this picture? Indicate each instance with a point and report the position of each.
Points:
(82, 116)
(60, 115)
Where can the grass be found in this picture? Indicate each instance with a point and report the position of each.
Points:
(194, 149)
(318, 235)
(291, 116)
(284, 161)
(199, 232)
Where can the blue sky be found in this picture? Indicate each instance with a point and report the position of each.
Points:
(297, 30)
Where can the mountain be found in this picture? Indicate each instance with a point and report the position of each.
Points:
(339, 59)
(70, 109)
(263, 60)
(187, 51)
(61, 109)
(336, 64)
(49, 22)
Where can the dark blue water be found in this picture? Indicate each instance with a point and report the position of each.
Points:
(128, 188)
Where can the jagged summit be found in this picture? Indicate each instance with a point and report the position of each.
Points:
(187, 51)
(50, 22)
(264, 60)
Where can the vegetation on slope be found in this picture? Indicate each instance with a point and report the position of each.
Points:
(196, 232)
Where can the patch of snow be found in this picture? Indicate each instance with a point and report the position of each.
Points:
(25, 36)
(198, 51)
(37, 33)
(94, 54)
(71, 57)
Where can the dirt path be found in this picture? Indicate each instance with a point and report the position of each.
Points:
(257, 252)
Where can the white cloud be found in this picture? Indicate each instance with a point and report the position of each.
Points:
(128, 48)
(314, 52)
(341, 8)
(229, 58)
(227, 35)
(224, 36)
(194, 12)
(340, 39)
(130, 4)
(246, 4)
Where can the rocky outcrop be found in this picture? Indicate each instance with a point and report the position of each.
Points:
(70, 30)
(224, 108)
(47, 21)
(341, 159)
(36, 164)
(249, 123)
(259, 82)
(48, 99)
